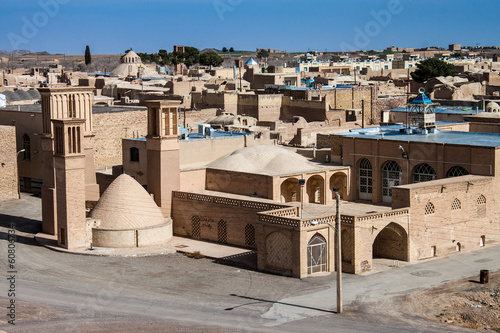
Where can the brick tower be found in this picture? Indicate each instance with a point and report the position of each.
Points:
(65, 103)
(69, 164)
(162, 144)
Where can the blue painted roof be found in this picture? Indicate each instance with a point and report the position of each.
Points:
(197, 136)
(448, 110)
(447, 137)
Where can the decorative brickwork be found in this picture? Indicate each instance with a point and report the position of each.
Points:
(250, 235)
(195, 226)
(429, 208)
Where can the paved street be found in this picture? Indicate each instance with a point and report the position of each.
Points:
(68, 292)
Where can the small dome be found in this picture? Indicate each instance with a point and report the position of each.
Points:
(127, 205)
(131, 57)
(268, 160)
(251, 62)
(492, 107)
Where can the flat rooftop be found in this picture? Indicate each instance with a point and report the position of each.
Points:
(199, 137)
(466, 111)
(34, 108)
(396, 133)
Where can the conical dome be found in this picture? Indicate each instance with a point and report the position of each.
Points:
(127, 205)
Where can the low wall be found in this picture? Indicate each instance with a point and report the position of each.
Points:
(155, 235)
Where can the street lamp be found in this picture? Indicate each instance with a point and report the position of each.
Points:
(338, 248)
(19, 184)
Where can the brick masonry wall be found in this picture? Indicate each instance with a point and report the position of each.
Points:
(451, 215)
(8, 163)
(110, 128)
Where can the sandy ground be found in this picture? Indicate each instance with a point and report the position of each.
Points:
(465, 303)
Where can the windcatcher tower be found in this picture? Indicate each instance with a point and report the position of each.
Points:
(65, 103)
(162, 145)
(69, 163)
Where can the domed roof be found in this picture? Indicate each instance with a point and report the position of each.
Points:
(492, 107)
(131, 56)
(267, 160)
(127, 205)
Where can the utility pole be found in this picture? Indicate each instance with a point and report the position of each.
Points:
(338, 254)
(362, 114)
(338, 248)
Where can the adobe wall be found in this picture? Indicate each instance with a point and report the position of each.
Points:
(448, 212)
(269, 107)
(309, 110)
(222, 100)
(8, 163)
(248, 105)
(193, 179)
(110, 128)
(199, 151)
(240, 183)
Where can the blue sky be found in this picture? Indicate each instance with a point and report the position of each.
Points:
(111, 26)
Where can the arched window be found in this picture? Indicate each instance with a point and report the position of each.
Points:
(423, 173)
(316, 254)
(391, 176)
(27, 147)
(456, 171)
(429, 208)
(250, 235)
(134, 154)
(456, 204)
(481, 200)
(365, 179)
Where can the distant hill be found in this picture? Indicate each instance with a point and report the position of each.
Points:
(210, 49)
(4, 53)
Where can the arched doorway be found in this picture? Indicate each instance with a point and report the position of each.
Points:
(315, 189)
(365, 179)
(290, 190)
(391, 243)
(391, 176)
(316, 255)
(339, 180)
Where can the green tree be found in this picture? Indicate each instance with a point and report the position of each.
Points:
(231, 49)
(211, 58)
(432, 67)
(88, 56)
(262, 54)
(224, 49)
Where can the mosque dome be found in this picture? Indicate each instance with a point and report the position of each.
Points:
(127, 205)
(268, 160)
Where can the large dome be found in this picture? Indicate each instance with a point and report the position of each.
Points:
(127, 205)
(268, 160)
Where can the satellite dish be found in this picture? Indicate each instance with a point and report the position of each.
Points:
(421, 90)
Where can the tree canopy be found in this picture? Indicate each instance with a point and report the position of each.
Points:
(262, 54)
(211, 58)
(432, 67)
(190, 57)
(231, 49)
(224, 49)
(88, 56)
